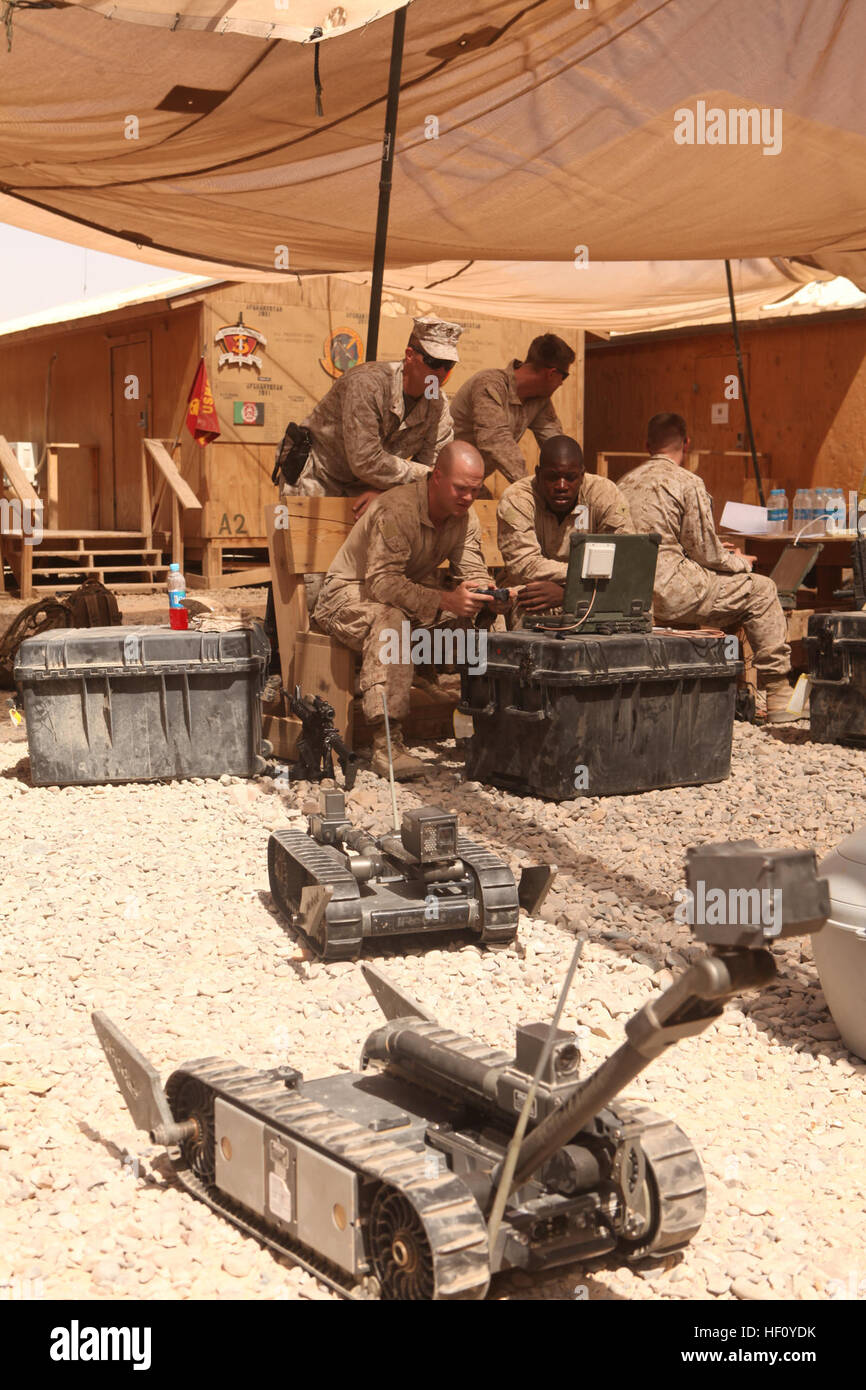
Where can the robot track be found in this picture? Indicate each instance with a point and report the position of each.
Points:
(426, 1237)
(678, 1189)
(497, 891)
(305, 864)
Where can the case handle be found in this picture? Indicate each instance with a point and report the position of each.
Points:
(472, 710)
(531, 715)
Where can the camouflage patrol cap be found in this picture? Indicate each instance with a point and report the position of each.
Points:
(437, 337)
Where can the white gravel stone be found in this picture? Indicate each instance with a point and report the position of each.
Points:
(152, 902)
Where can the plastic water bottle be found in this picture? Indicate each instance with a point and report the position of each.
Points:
(771, 511)
(830, 508)
(837, 507)
(819, 521)
(777, 511)
(801, 508)
(177, 614)
(813, 509)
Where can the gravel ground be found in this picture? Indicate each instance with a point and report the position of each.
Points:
(151, 902)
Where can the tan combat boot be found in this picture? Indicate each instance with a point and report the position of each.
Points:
(444, 691)
(405, 766)
(779, 693)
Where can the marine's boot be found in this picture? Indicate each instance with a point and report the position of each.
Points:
(273, 689)
(444, 691)
(405, 766)
(779, 694)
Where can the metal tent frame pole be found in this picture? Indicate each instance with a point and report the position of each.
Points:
(743, 388)
(388, 143)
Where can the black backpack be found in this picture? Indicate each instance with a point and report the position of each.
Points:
(292, 454)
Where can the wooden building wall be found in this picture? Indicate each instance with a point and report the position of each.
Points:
(807, 391)
(162, 344)
(232, 476)
(87, 398)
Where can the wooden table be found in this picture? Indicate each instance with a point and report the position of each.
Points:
(834, 557)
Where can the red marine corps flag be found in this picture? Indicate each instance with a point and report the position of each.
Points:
(201, 416)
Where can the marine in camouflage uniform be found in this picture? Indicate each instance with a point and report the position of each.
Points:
(383, 423)
(385, 573)
(534, 539)
(536, 516)
(495, 407)
(697, 579)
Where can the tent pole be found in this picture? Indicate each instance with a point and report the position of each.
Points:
(388, 143)
(743, 387)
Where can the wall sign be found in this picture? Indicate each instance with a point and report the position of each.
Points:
(342, 349)
(240, 343)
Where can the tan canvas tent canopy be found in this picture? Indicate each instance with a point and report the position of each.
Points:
(620, 297)
(302, 21)
(610, 297)
(525, 131)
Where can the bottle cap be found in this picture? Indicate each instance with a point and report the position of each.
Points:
(175, 569)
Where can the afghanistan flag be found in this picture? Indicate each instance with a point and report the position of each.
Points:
(249, 412)
(201, 416)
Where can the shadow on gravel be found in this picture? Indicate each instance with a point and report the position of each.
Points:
(788, 734)
(19, 773)
(798, 1031)
(560, 851)
(572, 1283)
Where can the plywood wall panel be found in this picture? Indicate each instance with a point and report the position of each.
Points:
(298, 322)
(807, 383)
(231, 477)
(80, 402)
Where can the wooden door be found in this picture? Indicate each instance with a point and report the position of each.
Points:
(131, 414)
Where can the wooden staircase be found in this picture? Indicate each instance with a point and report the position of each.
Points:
(122, 560)
(119, 559)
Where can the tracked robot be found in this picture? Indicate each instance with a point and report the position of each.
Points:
(337, 886)
(441, 1161)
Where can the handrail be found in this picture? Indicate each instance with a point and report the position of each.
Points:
(182, 495)
(18, 480)
(167, 467)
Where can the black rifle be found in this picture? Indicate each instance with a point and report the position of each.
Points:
(319, 742)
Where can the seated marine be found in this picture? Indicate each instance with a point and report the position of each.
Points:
(698, 578)
(537, 515)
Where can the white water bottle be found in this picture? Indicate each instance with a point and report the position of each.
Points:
(837, 508)
(801, 508)
(818, 527)
(777, 511)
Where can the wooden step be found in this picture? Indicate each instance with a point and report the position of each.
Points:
(129, 588)
(94, 535)
(156, 574)
(40, 553)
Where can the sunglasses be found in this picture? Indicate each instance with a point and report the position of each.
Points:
(436, 364)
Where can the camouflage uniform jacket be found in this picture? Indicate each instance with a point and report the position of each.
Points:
(362, 437)
(667, 498)
(535, 542)
(488, 412)
(392, 554)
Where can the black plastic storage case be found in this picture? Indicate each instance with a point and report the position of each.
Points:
(601, 716)
(140, 704)
(836, 649)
